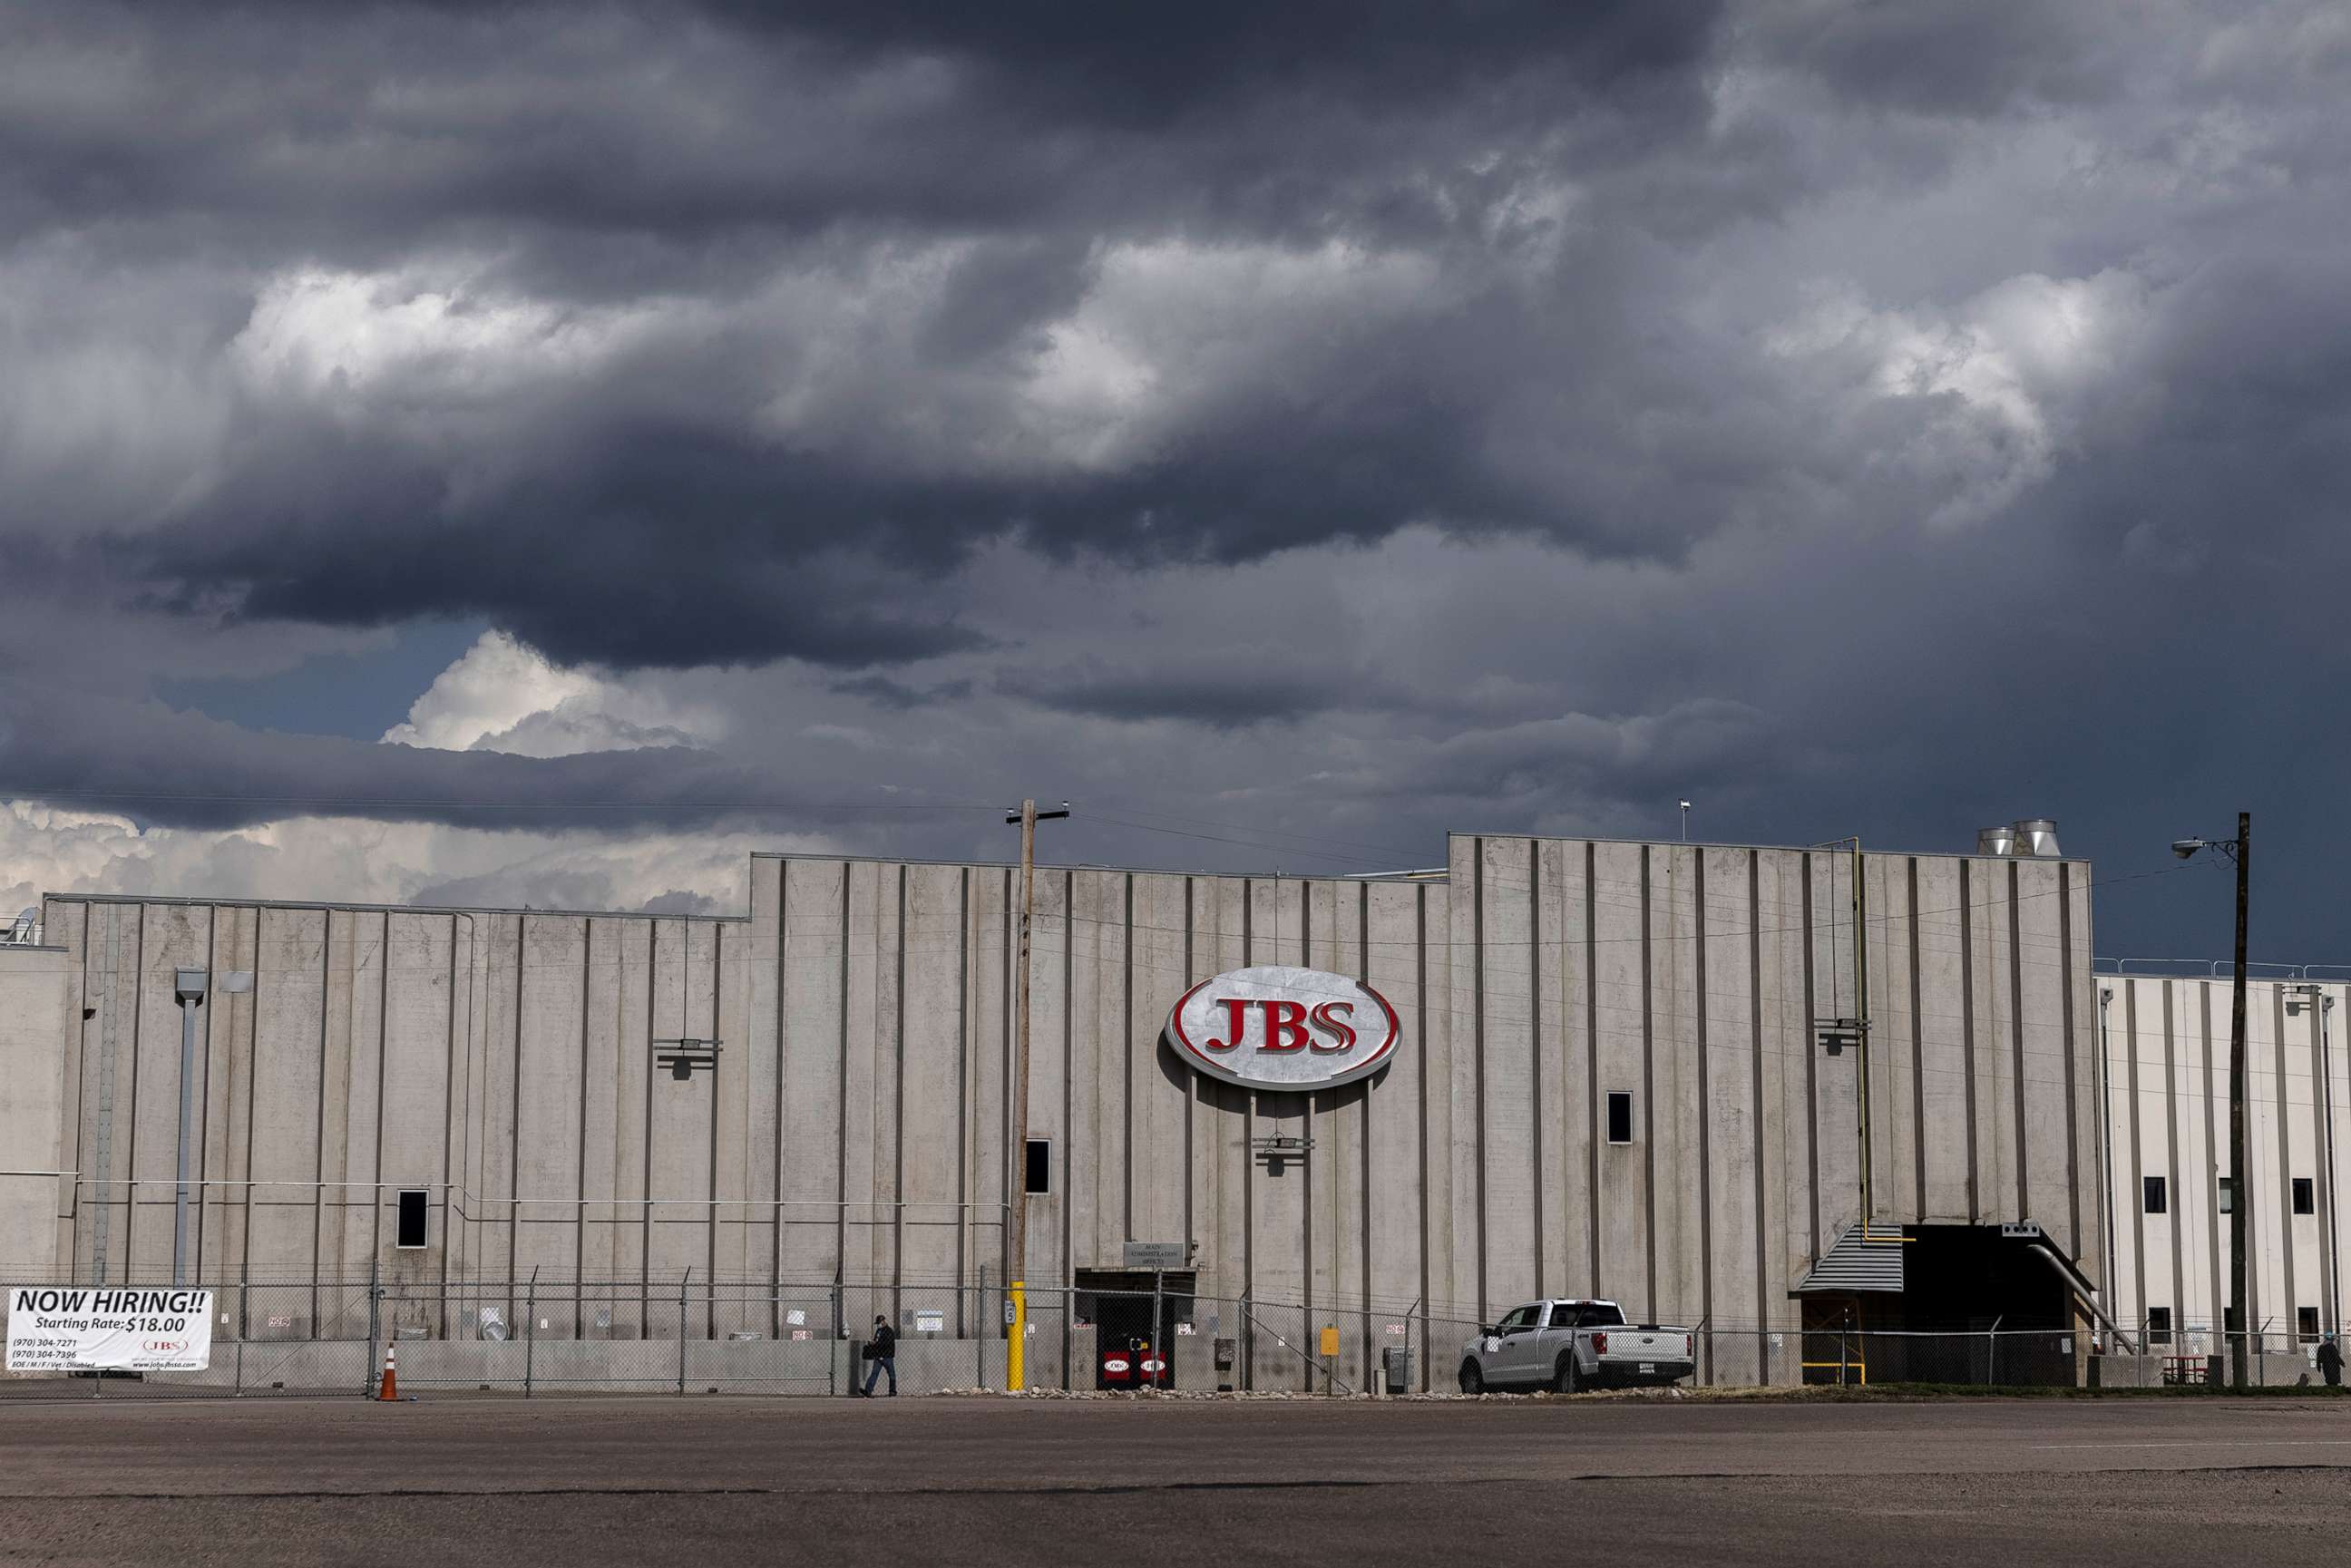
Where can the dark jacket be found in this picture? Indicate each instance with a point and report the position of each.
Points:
(884, 1342)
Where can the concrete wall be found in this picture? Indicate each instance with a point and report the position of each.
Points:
(36, 991)
(1688, 976)
(2166, 1070)
(858, 1128)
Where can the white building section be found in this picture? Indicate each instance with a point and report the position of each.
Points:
(1664, 1074)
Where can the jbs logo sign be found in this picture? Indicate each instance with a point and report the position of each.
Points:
(1274, 1027)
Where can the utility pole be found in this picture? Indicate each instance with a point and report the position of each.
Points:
(2239, 1187)
(2241, 850)
(1015, 1357)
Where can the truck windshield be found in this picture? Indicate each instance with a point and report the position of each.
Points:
(1598, 1315)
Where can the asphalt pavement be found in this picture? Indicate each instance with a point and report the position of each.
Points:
(580, 1481)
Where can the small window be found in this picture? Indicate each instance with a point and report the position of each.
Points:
(2306, 1322)
(1599, 1315)
(2157, 1201)
(2304, 1198)
(2229, 1320)
(2158, 1326)
(2228, 1195)
(1039, 1177)
(408, 1229)
(1620, 1117)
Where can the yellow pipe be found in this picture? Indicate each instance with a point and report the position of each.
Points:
(1015, 1368)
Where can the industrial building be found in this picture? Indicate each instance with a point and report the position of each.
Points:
(1645, 1072)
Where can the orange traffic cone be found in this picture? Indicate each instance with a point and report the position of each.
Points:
(390, 1388)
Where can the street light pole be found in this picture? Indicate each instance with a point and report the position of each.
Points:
(2241, 1189)
(1015, 1357)
(2241, 850)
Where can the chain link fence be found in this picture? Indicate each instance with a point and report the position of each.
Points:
(693, 1335)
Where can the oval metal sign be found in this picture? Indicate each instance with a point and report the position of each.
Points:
(1276, 1027)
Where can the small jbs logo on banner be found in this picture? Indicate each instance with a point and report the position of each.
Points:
(1275, 1027)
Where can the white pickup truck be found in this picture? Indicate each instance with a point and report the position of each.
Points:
(1574, 1344)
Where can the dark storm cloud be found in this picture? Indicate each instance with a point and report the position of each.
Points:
(691, 163)
(1867, 417)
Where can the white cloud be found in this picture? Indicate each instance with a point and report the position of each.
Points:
(1995, 385)
(503, 695)
(48, 849)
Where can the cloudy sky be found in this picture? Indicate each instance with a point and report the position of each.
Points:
(538, 454)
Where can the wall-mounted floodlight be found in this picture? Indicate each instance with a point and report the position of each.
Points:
(687, 1055)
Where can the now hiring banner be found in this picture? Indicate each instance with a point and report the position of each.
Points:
(79, 1328)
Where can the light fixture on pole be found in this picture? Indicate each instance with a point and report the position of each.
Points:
(1017, 1167)
(1686, 806)
(188, 990)
(2240, 849)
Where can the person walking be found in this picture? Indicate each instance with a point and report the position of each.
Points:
(2330, 1361)
(882, 1352)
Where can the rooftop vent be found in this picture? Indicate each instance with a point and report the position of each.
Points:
(2027, 838)
(2036, 838)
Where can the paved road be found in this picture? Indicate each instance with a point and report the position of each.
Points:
(583, 1482)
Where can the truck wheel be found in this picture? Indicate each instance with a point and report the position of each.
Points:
(1473, 1379)
(1565, 1379)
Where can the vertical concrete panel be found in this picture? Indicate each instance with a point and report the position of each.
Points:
(1396, 1196)
(1096, 1160)
(1162, 1083)
(1893, 1042)
(934, 1085)
(866, 1214)
(548, 1087)
(39, 998)
(1278, 1238)
(604, 1071)
(1673, 1129)
(1570, 961)
(880, 1113)
(814, 915)
(1620, 983)
(1785, 1039)
(412, 1089)
(2043, 980)
(741, 1211)
(290, 989)
(628, 1273)
(1505, 977)
(343, 952)
(1051, 983)
(1462, 1113)
(1219, 1153)
(760, 1058)
(63, 925)
(991, 1014)
(1730, 1112)
(171, 935)
(1334, 943)
(1943, 1046)
(1559, 1070)
(361, 1200)
(1836, 1105)
(229, 1103)
(2078, 1041)
(678, 1130)
(492, 1180)
(2147, 1240)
